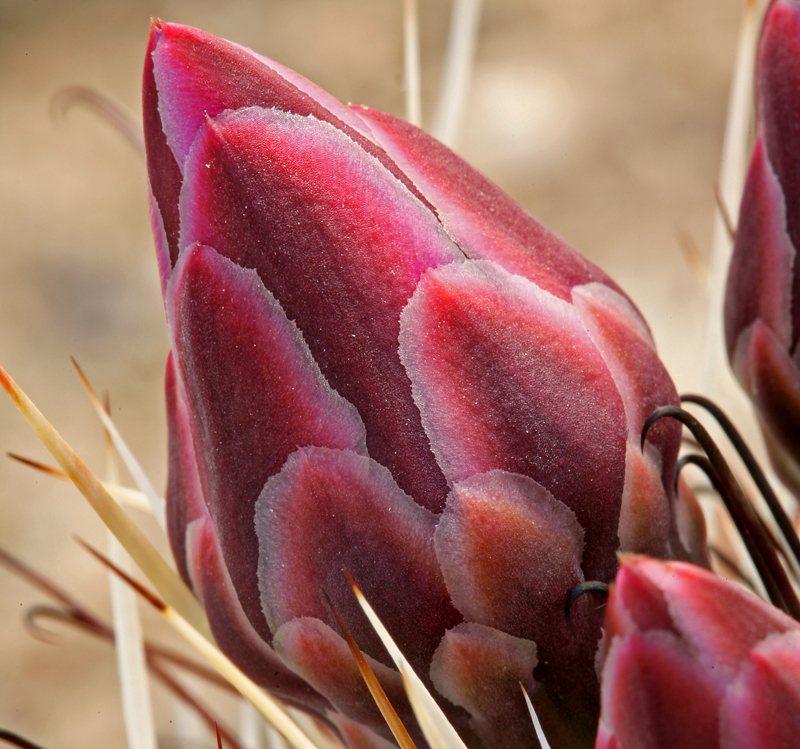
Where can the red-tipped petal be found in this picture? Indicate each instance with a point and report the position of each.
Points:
(778, 83)
(321, 656)
(341, 244)
(506, 377)
(480, 669)
(162, 168)
(761, 709)
(510, 554)
(331, 509)
(232, 631)
(484, 221)
(649, 679)
(644, 521)
(721, 621)
(191, 75)
(772, 379)
(760, 274)
(254, 395)
(624, 342)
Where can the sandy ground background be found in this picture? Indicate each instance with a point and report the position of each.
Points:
(604, 118)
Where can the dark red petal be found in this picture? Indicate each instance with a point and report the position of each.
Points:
(761, 710)
(656, 695)
(720, 621)
(254, 395)
(162, 169)
(321, 657)
(480, 669)
(778, 81)
(760, 274)
(482, 219)
(185, 501)
(341, 244)
(506, 376)
(511, 554)
(229, 625)
(772, 380)
(330, 509)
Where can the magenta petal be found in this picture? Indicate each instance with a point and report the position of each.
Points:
(230, 627)
(254, 396)
(195, 75)
(330, 509)
(772, 380)
(720, 621)
(510, 554)
(341, 244)
(778, 83)
(321, 657)
(506, 376)
(625, 344)
(644, 385)
(162, 168)
(649, 679)
(481, 218)
(481, 669)
(761, 709)
(760, 275)
(185, 501)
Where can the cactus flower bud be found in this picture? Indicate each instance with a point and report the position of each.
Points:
(380, 362)
(692, 660)
(762, 303)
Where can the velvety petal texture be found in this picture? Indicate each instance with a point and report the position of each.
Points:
(381, 363)
(762, 303)
(691, 660)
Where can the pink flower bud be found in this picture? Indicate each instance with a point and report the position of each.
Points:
(762, 303)
(380, 362)
(692, 660)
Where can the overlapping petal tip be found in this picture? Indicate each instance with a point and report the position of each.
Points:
(380, 362)
(762, 305)
(330, 510)
(504, 376)
(482, 219)
(692, 660)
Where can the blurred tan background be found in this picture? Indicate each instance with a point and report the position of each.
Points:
(604, 118)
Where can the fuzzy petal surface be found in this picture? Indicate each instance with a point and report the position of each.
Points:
(321, 657)
(331, 509)
(722, 622)
(778, 86)
(760, 274)
(510, 553)
(232, 631)
(480, 669)
(185, 501)
(254, 395)
(772, 380)
(649, 679)
(761, 709)
(506, 377)
(481, 218)
(341, 244)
